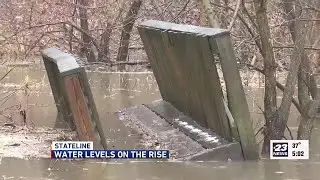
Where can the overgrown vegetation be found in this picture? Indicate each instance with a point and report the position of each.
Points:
(19, 109)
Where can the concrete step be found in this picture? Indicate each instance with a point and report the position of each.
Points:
(160, 122)
(205, 137)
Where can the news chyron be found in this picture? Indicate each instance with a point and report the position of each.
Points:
(289, 149)
(84, 150)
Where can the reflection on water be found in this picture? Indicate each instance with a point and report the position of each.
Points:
(113, 91)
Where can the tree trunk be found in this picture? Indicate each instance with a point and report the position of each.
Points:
(87, 49)
(276, 119)
(211, 16)
(203, 19)
(127, 28)
(297, 56)
(270, 101)
(305, 128)
(307, 120)
(306, 82)
(104, 51)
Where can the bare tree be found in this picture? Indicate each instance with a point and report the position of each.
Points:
(211, 16)
(87, 48)
(306, 82)
(276, 118)
(127, 28)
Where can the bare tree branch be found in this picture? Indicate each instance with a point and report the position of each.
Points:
(279, 85)
(235, 14)
(292, 46)
(179, 13)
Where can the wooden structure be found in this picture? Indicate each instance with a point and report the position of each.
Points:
(182, 59)
(73, 96)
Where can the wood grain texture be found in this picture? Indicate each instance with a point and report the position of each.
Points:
(79, 109)
(94, 113)
(237, 101)
(57, 92)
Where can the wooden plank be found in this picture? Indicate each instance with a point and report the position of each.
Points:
(152, 54)
(168, 83)
(54, 80)
(174, 46)
(189, 59)
(167, 26)
(204, 91)
(236, 97)
(212, 94)
(65, 62)
(79, 109)
(91, 105)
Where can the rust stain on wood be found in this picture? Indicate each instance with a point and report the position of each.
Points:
(79, 109)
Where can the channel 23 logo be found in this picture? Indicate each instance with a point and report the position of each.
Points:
(280, 149)
(289, 149)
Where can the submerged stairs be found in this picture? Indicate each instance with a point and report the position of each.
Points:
(170, 129)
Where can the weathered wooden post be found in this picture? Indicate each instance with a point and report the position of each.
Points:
(182, 59)
(73, 96)
(237, 101)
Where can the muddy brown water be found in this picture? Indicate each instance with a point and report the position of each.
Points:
(113, 91)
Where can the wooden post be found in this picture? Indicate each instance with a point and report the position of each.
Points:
(55, 83)
(94, 112)
(73, 96)
(79, 108)
(237, 101)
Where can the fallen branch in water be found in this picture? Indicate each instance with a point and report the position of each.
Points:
(120, 63)
(6, 74)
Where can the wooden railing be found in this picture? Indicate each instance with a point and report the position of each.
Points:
(73, 96)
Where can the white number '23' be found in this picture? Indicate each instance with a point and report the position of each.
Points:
(280, 147)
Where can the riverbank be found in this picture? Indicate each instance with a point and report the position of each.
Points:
(27, 142)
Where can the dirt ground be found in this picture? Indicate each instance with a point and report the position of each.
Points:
(25, 142)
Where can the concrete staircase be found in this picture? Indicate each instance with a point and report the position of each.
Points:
(173, 130)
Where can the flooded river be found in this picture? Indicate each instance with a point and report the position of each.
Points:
(113, 91)
(266, 170)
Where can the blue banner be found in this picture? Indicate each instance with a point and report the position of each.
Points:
(110, 154)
